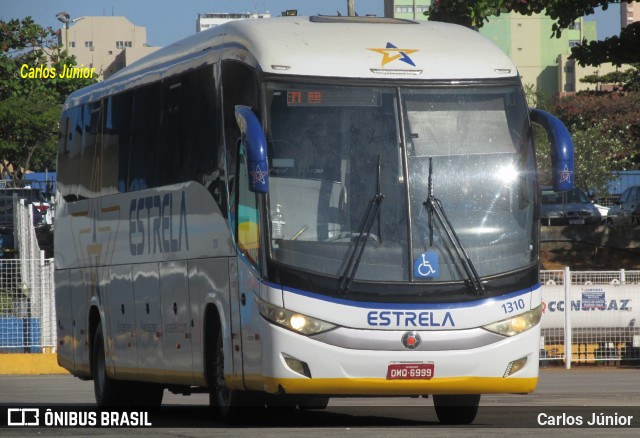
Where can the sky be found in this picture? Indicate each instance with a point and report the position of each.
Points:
(170, 20)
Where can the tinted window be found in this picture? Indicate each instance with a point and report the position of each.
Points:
(69, 152)
(89, 174)
(143, 156)
(152, 136)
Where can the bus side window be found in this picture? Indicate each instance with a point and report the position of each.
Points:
(69, 171)
(67, 174)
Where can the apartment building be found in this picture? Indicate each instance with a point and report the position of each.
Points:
(106, 43)
(209, 20)
(629, 13)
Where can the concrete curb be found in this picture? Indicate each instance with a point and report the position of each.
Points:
(25, 363)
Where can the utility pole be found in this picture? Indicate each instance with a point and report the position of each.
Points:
(351, 8)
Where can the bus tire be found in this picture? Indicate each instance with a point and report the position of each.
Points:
(108, 392)
(226, 403)
(456, 409)
(147, 395)
(313, 402)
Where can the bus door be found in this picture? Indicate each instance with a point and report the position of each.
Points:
(249, 268)
(234, 337)
(250, 321)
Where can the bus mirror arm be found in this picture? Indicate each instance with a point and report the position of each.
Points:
(561, 148)
(256, 147)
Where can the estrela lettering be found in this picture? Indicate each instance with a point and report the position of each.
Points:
(153, 227)
(401, 318)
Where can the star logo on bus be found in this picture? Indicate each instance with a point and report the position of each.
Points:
(411, 340)
(392, 53)
(565, 174)
(258, 175)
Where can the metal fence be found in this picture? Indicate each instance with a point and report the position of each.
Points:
(27, 305)
(27, 308)
(593, 315)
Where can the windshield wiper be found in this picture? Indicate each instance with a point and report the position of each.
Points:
(434, 207)
(364, 231)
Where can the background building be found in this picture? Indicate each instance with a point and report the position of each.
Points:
(106, 43)
(629, 13)
(405, 9)
(570, 74)
(207, 21)
(529, 42)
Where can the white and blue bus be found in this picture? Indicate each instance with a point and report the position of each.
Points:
(285, 210)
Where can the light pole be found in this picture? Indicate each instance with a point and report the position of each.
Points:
(351, 8)
(64, 17)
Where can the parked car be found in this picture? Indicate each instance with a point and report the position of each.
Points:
(604, 211)
(626, 210)
(571, 207)
(32, 196)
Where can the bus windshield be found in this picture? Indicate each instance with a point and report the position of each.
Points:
(336, 150)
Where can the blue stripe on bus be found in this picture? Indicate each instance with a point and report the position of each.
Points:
(372, 305)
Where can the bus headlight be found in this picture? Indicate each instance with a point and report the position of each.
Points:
(516, 324)
(293, 321)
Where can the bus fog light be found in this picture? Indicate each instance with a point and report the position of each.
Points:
(297, 366)
(515, 366)
(516, 324)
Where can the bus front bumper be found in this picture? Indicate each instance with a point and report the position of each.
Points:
(294, 364)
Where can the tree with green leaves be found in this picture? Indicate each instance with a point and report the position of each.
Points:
(627, 80)
(30, 107)
(621, 49)
(28, 132)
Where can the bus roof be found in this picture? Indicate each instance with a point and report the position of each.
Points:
(350, 47)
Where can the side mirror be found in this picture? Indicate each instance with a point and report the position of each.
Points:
(256, 146)
(561, 148)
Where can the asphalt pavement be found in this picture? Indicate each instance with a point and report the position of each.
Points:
(566, 402)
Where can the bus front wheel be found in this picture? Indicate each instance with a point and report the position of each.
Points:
(226, 402)
(456, 409)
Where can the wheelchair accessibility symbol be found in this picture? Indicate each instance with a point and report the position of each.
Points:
(426, 265)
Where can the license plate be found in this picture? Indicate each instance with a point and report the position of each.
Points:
(576, 222)
(404, 371)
